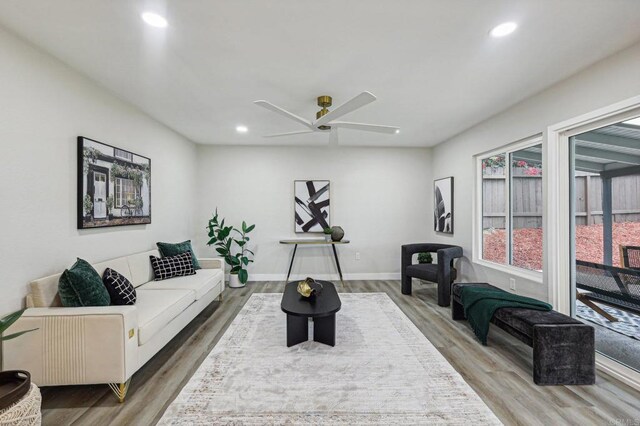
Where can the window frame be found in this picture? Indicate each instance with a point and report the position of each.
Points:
(118, 191)
(118, 153)
(507, 150)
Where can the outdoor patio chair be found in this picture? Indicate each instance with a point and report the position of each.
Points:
(630, 256)
(617, 287)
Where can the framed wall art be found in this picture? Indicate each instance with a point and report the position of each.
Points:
(311, 200)
(114, 186)
(443, 205)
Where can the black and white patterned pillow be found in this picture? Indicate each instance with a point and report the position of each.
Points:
(172, 266)
(120, 289)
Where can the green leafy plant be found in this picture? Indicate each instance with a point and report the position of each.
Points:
(327, 231)
(90, 155)
(87, 204)
(138, 204)
(110, 202)
(425, 258)
(7, 321)
(228, 238)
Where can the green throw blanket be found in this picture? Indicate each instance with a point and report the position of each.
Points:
(480, 303)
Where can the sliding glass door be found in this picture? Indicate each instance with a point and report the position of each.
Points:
(605, 188)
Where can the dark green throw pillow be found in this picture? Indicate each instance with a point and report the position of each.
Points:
(174, 249)
(81, 285)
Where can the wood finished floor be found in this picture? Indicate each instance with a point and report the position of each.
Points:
(499, 373)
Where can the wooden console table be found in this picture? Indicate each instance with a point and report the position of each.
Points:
(307, 241)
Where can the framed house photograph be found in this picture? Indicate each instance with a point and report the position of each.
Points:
(114, 186)
(443, 205)
(311, 200)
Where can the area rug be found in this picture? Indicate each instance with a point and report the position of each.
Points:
(381, 371)
(627, 324)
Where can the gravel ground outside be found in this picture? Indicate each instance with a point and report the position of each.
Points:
(527, 244)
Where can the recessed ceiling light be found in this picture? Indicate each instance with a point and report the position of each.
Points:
(242, 129)
(397, 131)
(503, 29)
(154, 20)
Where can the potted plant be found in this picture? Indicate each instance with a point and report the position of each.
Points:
(138, 204)
(16, 383)
(225, 239)
(425, 258)
(327, 233)
(88, 206)
(110, 203)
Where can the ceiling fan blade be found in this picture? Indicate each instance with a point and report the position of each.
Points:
(289, 134)
(283, 112)
(333, 137)
(359, 101)
(366, 127)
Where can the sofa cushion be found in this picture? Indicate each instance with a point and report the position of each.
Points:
(156, 309)
(140, 266)
(81, 285)
(119, 264)
(172, 249)
(119, 287)
(179, 265)
(426, 271)
(201, 283)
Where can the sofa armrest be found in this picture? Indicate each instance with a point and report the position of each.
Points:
(88, 345)
(212, 263)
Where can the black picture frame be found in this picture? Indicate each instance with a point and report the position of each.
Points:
(303, 214)
(108, 175)
(443, 209)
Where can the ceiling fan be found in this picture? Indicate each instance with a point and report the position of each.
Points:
(326, 120)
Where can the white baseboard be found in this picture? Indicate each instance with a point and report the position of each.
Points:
(327, 277)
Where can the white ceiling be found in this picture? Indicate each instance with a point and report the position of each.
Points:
(431, 63)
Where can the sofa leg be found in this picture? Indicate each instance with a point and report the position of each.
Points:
(120, 389)
(220, 297)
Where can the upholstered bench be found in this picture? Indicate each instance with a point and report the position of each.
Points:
(563, 347)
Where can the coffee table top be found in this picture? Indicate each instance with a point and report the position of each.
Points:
(327, 303)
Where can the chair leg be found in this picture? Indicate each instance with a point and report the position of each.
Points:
(120, 389)
(596, 308)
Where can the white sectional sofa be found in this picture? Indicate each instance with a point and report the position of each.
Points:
(92, 345)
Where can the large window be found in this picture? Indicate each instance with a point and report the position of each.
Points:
(511, 206)
(125, 192)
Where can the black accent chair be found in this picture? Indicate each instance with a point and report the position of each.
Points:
(443, 273)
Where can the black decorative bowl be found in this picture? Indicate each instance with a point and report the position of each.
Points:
(14, 384)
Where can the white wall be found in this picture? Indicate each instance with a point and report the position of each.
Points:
(609, 81)
(378, 195)
(44, 106)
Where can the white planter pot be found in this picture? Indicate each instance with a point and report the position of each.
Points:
(234, 281)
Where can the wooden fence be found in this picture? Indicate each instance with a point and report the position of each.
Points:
(527, 199)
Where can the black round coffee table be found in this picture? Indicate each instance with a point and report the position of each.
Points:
(322, 310)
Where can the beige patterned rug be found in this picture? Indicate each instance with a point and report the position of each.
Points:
(381, 371)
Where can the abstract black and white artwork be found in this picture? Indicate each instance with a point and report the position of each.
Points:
(311, 205)
(443, 205)
(114, 186)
